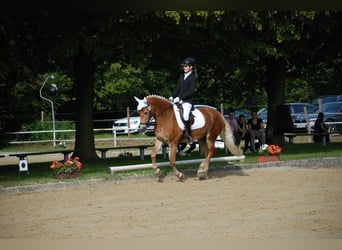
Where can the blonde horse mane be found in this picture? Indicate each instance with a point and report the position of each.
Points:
(158, 96)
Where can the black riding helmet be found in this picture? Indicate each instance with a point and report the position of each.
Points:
(189, 61)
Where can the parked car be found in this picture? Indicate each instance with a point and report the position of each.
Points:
(121, 125)
(239, 112)
(297, 113)
(325, 99)
(150, 128)
(332, 113)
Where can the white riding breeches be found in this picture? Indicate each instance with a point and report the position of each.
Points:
(186, 110)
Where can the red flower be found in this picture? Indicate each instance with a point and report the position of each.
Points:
(69, 166)
(274, 149)
(53, 164)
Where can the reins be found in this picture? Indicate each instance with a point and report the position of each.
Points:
(163, 111)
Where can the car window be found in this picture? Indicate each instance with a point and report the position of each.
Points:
(331, 107)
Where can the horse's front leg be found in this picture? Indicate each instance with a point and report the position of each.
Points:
(173, 151)
(157, 145)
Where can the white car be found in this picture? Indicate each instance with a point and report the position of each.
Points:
(120, 126)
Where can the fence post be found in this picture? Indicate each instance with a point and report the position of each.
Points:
(128, 123)
(114, 133)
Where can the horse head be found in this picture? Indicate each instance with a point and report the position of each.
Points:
(144, 111)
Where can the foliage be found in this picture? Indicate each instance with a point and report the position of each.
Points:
(47, 125)
(66, 167)
(119, 82)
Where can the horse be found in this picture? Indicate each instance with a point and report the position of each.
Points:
(167, 131)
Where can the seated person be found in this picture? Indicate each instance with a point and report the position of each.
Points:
(320, 129)
(234, 126)
(256, 130)
(243, 132)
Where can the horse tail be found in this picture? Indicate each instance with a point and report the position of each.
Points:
(228, 137)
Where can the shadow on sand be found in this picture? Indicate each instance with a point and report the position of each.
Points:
(217, 172)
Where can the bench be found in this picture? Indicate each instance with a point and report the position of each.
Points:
(23, 164)
(140, 147)
(23, 155)
(293, 135)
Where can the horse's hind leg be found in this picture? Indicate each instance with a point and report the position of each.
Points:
(158, 144)
(202, 171)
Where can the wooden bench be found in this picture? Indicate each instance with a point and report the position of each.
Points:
(23, 163)
(293, 135)
(23, 155)
(140, 147)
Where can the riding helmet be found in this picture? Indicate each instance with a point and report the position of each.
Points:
(189, 61)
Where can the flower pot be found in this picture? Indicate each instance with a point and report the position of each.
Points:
(268, 158)
(67, 175)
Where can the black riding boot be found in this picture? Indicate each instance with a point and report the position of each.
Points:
(188, 131)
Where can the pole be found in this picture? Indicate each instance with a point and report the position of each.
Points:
(53, 125)
(128, 123)
(165, 164)
(52, 110)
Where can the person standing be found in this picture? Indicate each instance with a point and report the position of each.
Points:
(321, 131)
(184, 93)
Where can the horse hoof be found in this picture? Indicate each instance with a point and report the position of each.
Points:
(202, 175)
(157, 172)
(181, 176)
(202, 178)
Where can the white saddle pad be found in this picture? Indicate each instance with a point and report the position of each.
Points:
(198, 117)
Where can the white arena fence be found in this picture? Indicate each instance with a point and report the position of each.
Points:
(114, 138)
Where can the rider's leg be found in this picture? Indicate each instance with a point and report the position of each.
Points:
(186, 115)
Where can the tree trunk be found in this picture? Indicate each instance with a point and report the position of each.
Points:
(277, 117)
(84, 77)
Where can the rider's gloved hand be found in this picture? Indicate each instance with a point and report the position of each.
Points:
(176, 100)
(171, 99)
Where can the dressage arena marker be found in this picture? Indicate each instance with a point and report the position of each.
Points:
(112, 170)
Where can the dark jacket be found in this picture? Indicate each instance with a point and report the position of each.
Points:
(185, 88)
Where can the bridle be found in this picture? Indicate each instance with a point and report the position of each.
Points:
(149, 110)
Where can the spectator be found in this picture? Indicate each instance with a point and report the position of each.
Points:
(234, 126)
(243, 133)
(321, 130)
(256, 130)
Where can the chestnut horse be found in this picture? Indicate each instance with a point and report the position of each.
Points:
(168, 132)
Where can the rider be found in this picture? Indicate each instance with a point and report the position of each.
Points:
(184, 92)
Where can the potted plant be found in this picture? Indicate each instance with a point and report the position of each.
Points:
(269, 153)
(66, 169)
